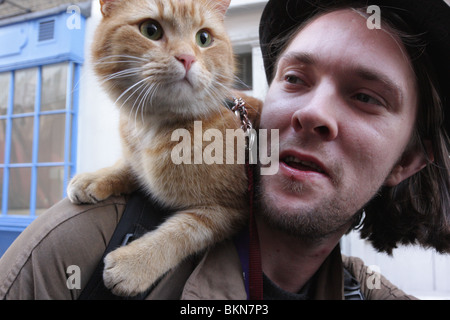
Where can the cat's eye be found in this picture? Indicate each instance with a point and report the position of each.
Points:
(151, 29)
(204, 38)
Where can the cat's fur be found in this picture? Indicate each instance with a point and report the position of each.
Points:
(147, 80)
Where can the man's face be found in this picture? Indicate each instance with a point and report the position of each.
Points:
(344, 101)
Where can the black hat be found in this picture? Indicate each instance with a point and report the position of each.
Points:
(429, 18)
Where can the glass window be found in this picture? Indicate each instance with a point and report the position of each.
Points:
(22, 140)
(244, 71)
(52, 138)
(36, 137)
(2, 141)
(24, 90)
(19, 191)
(50, 185)
(54, 84)
(4, 91)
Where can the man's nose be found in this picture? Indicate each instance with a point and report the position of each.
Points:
(318, 115)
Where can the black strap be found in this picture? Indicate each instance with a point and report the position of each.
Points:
(141, 215)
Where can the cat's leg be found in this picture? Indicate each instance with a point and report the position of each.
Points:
(132, 269)
(96, 186)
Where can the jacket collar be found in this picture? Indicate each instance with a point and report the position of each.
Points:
(219, 276)
(329, 279)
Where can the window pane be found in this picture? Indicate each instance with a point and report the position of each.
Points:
(50, 187)
(244, 72)
(4, 91)
(54, 81)
(25, 90)
(1, 188)
(51, 138)
(19, 191)
(22, 140)
(2, 140)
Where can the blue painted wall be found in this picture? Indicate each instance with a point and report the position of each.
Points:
(24, 45)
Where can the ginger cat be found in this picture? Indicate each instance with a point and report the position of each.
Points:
(167, 63)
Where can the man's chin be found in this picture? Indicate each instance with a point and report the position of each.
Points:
(292, 210)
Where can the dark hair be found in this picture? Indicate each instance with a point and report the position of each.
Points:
(417, 211)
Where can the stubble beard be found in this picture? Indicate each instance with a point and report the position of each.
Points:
(308, 223)
(316, 222)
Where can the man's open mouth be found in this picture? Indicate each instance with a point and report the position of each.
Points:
(303, 164)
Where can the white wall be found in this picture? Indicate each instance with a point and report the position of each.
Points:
(421, 272)
(98, 134)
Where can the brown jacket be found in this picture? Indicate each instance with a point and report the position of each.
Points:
(38, 264)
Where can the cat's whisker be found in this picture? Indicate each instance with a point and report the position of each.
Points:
(141, 105)
(126, 91)
(145, 89)
(241, 84)
(141, 101)
(213, 95)
(124, 62)
(129, 62)
(144, 101)
(112, 58)
(152, 88)
(136, 99)
(220, 79)
(122, 74)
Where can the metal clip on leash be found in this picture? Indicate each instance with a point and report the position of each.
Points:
(250, 134)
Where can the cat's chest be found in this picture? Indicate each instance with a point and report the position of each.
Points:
(154, 155)
(151, 145)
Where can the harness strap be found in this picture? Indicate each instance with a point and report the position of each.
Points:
(141, 215)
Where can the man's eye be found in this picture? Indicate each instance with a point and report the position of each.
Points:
(293, 79)
(365, 98)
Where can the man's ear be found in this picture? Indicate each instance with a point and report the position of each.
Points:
(411, 162)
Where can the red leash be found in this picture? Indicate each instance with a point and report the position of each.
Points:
(255, 269)
(255, 283)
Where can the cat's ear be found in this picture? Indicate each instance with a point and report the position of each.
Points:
(222, 6)
(106, 6)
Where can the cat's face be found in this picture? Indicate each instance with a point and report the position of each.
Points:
(164, 56)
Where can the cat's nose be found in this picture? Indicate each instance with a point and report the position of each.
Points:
(187, 60)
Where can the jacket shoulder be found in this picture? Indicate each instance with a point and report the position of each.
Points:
(35, 265)
(374, 286)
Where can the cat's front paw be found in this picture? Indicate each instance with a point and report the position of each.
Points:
(126, 274)
(87, 188)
